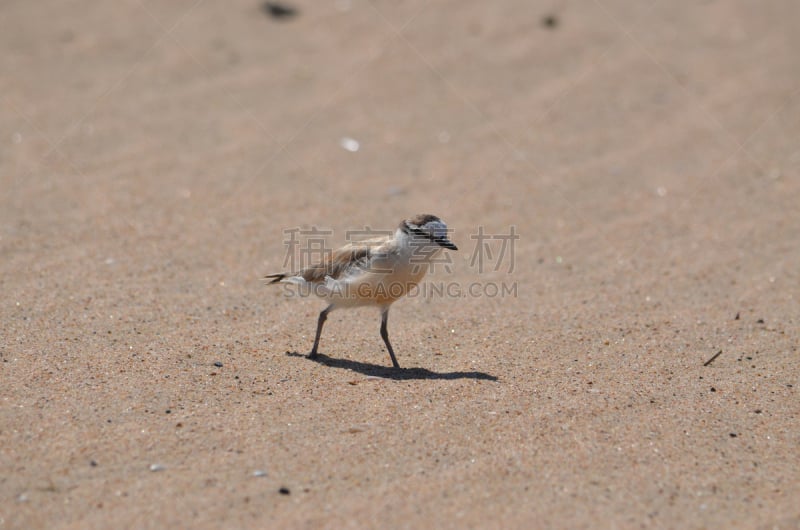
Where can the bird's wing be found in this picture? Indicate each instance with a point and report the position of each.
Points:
(342, 261)
(339, 262)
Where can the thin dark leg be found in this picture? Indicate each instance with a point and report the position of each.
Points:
(385, 336)
(323, 316)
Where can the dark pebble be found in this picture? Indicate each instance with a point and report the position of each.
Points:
(736, 317)
(168, 411)
(279, 11)
(760, 321)
(713, 389)
(93, 463)
(550, 21)
(757, 411)
(284, 491)
(734, 435)
(218, 364)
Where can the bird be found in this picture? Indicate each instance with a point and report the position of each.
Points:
(375, 272)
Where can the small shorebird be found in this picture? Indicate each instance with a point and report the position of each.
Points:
(374, 272)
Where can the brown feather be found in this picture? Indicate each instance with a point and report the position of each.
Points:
(423, 218)
(334, 264)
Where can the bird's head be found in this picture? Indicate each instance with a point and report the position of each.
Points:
(428, 227)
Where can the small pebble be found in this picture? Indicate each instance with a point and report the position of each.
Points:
(93, 463)
(734, 435)
(284, 491)
(550, 21)
(157, 467)
(218, 364)
(279, 11)
(259, 473)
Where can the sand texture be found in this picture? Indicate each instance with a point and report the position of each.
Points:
(646, 153)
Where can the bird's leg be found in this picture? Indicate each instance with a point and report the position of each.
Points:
(322, 317)
(385, 336)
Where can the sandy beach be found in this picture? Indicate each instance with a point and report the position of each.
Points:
(155, 157)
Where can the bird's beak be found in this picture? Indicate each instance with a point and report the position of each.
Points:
(446, 243)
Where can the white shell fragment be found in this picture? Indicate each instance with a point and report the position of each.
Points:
(349, 144)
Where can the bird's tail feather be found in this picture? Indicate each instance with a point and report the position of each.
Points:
(275, 278)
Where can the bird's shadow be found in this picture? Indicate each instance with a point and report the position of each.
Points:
(388, 372)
